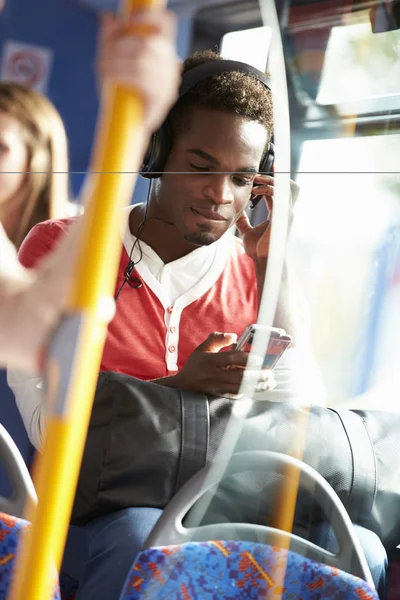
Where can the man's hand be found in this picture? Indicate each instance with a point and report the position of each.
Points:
(256, 239)
(210, 371)
(256, 242)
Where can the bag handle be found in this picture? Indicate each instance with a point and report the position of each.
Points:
(195, 436)
(364, 477)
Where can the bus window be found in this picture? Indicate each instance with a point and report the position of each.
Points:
(249, 45)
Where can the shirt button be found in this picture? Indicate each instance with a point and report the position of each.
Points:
(171, 348)
(170, 309)
(172, 329)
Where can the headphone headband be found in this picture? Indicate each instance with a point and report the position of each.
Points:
(216, 67)
(161, 141)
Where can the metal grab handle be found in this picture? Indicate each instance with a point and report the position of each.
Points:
(169, 529)
(22, 486)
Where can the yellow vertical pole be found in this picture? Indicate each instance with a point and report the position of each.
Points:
(75, 353)
(284, 507)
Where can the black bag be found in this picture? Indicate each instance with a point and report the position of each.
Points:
(146, 440)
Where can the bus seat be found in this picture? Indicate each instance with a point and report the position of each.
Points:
(11, 420)
(12, 531)
(12, 526)
(181, 559)
(22, 488)
(234, 570)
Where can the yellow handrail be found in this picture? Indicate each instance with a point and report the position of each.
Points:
(77, 346)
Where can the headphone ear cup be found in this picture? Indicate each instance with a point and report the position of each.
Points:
(148, 157)
(157, 153)
(267, 164)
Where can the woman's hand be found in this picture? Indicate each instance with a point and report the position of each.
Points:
(140, 54)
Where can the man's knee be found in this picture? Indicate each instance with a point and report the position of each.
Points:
(127, 527)
(111, 544)
(376, 556)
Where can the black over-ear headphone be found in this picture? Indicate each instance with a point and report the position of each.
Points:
(161, 141)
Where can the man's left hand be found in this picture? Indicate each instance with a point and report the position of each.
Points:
(256, 239)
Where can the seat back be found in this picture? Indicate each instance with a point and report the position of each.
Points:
(11, 420)
(22, 488)
(170, 529)
(239, 563)
(12, 531)
(16, 451)
(235, 570)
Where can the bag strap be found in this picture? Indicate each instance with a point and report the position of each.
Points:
(364, 480)
(195, 435)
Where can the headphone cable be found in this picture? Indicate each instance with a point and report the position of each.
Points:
(134, 282)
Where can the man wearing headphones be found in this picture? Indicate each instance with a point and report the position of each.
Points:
(186, 287)
(183, 276)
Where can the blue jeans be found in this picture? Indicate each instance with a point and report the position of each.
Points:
(100, 555)
(373, 549)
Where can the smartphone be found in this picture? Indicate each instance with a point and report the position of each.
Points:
(254, 200)
(278, 342)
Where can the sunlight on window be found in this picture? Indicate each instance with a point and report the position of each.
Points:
(361, 69)
(250, 46)
(350, 197)
(342, 181)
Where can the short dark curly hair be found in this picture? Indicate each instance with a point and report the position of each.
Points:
(236, 92)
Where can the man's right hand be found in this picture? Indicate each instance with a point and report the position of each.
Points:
(210, 371)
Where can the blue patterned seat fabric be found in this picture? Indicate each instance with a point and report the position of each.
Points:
(11, 531)
(231, 570)
(212, 571)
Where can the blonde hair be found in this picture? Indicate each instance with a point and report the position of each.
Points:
(46, 185)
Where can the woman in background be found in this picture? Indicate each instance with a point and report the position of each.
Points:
(31, 300)
(33, 161)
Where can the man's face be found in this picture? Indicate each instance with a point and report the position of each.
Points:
(203, 204)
